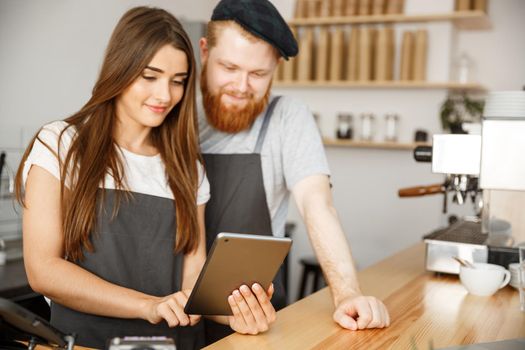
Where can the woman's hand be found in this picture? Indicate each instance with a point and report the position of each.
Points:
(171, 309)
(252, 310)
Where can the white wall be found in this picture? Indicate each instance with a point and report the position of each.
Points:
(499, 53)
(51, 52)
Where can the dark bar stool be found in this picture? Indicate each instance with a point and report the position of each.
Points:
(310, 267)
(289, 228)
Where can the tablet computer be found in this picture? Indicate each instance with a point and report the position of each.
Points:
(235, 259)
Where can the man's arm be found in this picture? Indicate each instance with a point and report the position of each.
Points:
(353, 310)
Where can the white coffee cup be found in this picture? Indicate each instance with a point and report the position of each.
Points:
(484, 279)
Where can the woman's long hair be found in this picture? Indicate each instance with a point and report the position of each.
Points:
(139, 34)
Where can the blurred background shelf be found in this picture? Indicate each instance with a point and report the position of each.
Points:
(467, 20)
(331, 142)
(472, 87)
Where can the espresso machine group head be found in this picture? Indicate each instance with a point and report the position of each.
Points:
(458, 158)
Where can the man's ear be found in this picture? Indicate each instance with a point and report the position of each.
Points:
(203, 45)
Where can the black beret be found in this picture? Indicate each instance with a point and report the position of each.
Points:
(260, 18)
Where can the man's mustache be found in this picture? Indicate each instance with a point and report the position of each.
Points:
(238, 94)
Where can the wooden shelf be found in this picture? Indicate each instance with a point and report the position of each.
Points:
(473, 87)
(329, 142)
(467, 20)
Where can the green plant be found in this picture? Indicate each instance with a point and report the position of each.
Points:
(460, 108)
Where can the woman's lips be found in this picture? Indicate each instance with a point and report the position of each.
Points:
(157, 109)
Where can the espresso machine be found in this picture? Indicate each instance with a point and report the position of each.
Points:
(487, 170)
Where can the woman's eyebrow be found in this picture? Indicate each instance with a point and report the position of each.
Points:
(155, 69)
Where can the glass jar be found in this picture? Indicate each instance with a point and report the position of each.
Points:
(367, 126)
(391, 127)
(345, 123)
(464, 69)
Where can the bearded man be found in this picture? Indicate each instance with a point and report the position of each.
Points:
(259, 148)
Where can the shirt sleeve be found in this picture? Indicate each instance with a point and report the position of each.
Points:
(303, 152)
(44, 152)
(203, 193)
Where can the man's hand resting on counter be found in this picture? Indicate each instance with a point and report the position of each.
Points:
(361, 312)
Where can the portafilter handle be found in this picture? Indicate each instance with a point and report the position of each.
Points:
(423, 154)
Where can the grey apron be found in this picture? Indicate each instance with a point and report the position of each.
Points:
(238, 204)
(134, 249)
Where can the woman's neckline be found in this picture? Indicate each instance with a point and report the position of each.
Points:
(127, 152)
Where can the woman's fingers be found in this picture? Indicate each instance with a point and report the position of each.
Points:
(194, 319)
(165, 312)
(252, 309)
(270, 291)
(171, 309)
(177, 306)
(237, 320)
(264, 301)
(247, 315)
(256, 308)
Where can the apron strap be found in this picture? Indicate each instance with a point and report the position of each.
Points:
(264, 127)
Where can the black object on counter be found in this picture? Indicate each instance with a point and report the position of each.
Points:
(423, 154)
(503, 256)
(344, 126)
(346, 135)
(21, 324)
(420, 136)
(2, 163)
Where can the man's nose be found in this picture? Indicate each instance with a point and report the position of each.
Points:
(242, 82)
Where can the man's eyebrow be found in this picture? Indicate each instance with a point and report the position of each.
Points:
(261, 71)
(233, 65)
(155, 69)
(228, 63)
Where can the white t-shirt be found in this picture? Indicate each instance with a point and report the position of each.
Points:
(144, 174)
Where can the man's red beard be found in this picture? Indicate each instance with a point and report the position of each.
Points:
(230, 119)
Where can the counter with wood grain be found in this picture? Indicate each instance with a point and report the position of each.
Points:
(427, 311)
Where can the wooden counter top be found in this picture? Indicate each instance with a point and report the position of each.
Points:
(427, 311)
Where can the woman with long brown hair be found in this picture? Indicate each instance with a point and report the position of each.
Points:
(114, 197)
